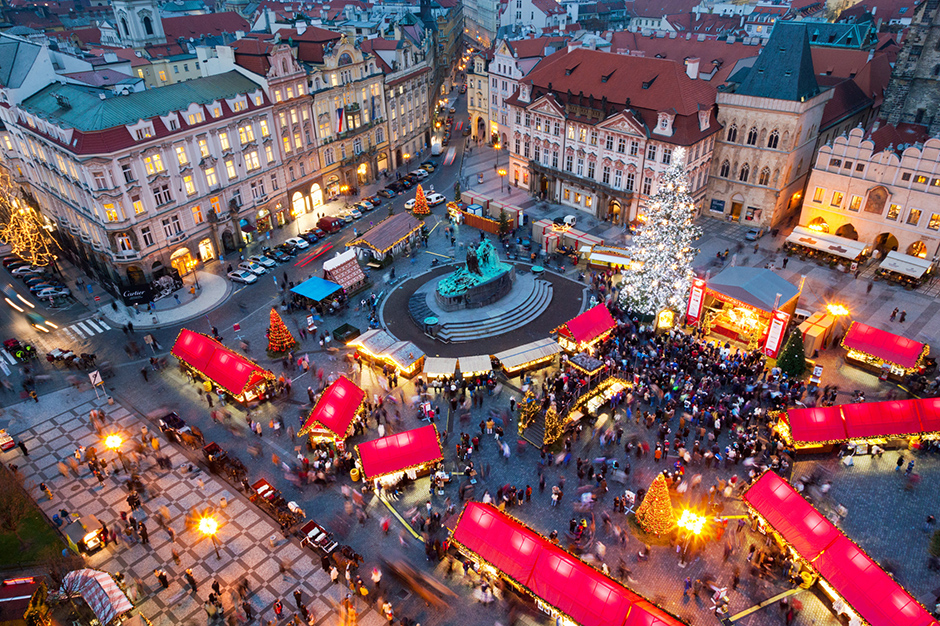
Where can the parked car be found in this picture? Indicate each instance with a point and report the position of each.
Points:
(466, 131)
(754, 234)
(287, 248)
(388, 192)
(375, 201)
(40, 286)
(263, 261)
(428, 166)
(25, 270)
(463, 89)
(407, 183)
(330, 224)
(277, 255)
(298, 242)
(310, 236)
(34, 280)
(346, 216)
(54, 292)
(243, 276)
(453, 109)
(254, 268)
(435, 199)
(13, 261)
(364, 206)
(356, 213)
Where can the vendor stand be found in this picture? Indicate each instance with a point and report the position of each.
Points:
(100, 592)
(853, 582)
(827, 248)
(84, 535)
(413, 453)
(331, 419)
(816, 331)
(344, 270)
(378, 346)
(904, 269)
(878, 351)
(320, 291)
(436, 367)
(476, 365)
(584, 331)
(606, 257)
(561, 584)
(539, 353)
(748, 305)
(237, 375)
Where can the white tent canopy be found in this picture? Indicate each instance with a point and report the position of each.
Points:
(477, 364)
(437, 366)
(830, 244)
(905, 264)
(520, 355)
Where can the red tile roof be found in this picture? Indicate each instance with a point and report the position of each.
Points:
(874, 77)
(80, 35)
(186, 26)
(660, 8)
(310, 43)
(840, 62)
(252, 54)
(712, 53)
(535, 46)
(893, 135)
(847, 100)
(548, 7)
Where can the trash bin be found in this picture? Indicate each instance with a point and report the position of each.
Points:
(354, 474)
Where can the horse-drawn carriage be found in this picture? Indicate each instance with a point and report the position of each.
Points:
(179, 431)
(221, 462)
(22, 352)
(81, 361)
(274, 504)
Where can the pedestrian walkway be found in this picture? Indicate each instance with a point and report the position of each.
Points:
(250, 544)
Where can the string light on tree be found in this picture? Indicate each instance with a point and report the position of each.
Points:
(280, 340)
(421, 203)
(655, 514)
(26, 233)
(660, 275)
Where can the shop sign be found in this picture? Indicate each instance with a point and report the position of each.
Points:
(138, 294)
(696, 302)
(778, 324)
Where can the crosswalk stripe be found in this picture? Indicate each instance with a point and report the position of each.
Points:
(103, 325)
(92, 324)
(77, 332)
(85, 328)
(69, 333)
(9, 357)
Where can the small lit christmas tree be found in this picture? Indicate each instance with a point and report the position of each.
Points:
(792, 359)
(660, 274)
(655, 514)
(421, 203)
(279, 338)
(457, 191)
(25, 231)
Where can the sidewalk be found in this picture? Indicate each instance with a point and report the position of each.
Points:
(251, 545)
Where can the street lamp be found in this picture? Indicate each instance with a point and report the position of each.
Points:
(693, 524)
(837, 310)
(113, 442)
(502, 176)
(208, 526)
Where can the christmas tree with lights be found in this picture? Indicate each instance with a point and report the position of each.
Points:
(655, 514)
(24, 230)
(792, 359)
(279, 338)
(660, 273)
(421, 203)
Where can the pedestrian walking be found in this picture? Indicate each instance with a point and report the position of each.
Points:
(161, 576)
(900, 463)
(298, 599)
(209, 398)
(894, 314)
(246, 607)
(45, 489)
(903, 316)
(191, 579)
(377, 578)
(278, 608)
(143, 372)
(176, 557)
(144, 535)
(23, 448)
(910, 468)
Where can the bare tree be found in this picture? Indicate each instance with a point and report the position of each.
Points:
(15, 505)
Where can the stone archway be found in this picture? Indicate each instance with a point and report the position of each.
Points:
(316, 196)
(886, 242)
(848, 231)
(819, 225)
(228, 241)
(918, 249)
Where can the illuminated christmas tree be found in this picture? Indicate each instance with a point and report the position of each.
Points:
(660, 274)
(655, 514)
(25, 231)
(421, 203)
(279, 338)
(792, 359)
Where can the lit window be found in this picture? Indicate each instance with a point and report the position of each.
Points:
(181, 155)
(197, 214)
(246, 133)
(110, 213)
(913, 217)
(195, 118)
(138, 205)
(893, 212)
(216, 204)
(212, 178)
(223, 140)
(239, 106)
(837, 197)
(934, 223)
(203, 148)
(856, 203)
(188, 185)
(153, 163)
(251, 160)
(264, 128)
(287, 146)
(819, 194)
(230, 169)
(163, 75)
(269, 153)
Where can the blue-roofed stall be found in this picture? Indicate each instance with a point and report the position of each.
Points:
(316, 289)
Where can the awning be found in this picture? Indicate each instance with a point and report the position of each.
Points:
(397, 453)
(437, 366)
(526, 353)
(374, 341)
(335, 410)
(831, 244)
(234, 372)
(99, 591)
(818, 424)
(883, 345)
(558, 578)
(589, 325)
(754, 286)
(881, 419)
(476, 364)
(868, 420)
(867, 588)
(905, 264)
(316, 289)
(248, 228)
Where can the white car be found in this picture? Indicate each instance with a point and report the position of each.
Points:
(252, 267)
(243, 276)
(421, 174)
(53, 292)
(435, 199)
(263, 261)
(298, 242)
(354, 213)
(23, 270)
(409, 204)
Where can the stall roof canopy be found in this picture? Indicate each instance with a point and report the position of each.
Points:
(388, 233)
(905, 264)
(440, 366)
(883, 345)
(475, 364)
(753, 286)
(336, 408)
(344, 269)
(316, 288)
(231, 371)
(99, 591)
(870, 591)
(589, 325)
(831, 244)
(396, 453)
(836, 424)
(375, 341)
(578, 590)
(526, 353)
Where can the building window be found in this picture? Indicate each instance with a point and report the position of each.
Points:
(647, 185)
(837, 197)
(906, 176)
(567, 194)
(555, 159)
(246, 133)
(128, 173)
(269, 153)
(252, 162)
(913, 217)
(212, 178)
(605, 175)
(110, 213)
(732, 135)
(934, 223)
(590, 171)
(920, 180)
(557, 132)
(856, 203)
(525, 148)
(667, 155)
(752, 137)
(773, 140)
(764, 177)
(582, 134)
(223, 141)
(124, 243)
(163, 75)
(99, 180)
(725, 169)
(357, 146)
(621, 145)
(593, 137)
(634, 148)
(328, 157)
(744, 173)
(146, 235)
(258, 192)
(264, 128)
(518, 117)
(230, 169)
(274, 184)
(618, 179)
(161, 193)
(651, 152)
(569, 162)
(570, 132)
(189, 185)
(153, 163)
(203, 148)
(819, 194)
(893, 212)
(171, 226)
(631, 181)
(287, 146)
(216, 204)
(848, 165)
(138, 204)
(835, 162)
(518, 143)
(537, 153)
(609, 142)
(195, 118)
(580, 170)
(197, 214)
(181, 155)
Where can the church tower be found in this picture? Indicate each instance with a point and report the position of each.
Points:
(138, 22)
(913, 95)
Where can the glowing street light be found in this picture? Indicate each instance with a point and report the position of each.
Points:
(837, 309)
(209, 527)
(502, 176)
(692, 522)
(113, 442)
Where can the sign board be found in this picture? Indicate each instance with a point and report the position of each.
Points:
(138, 294)
(696, 301)
(97, 298)
(311, 325)
(148, 339)
(89, 288)
(236, 327)
(3, 366)
(778, 325)
(95, 378)
(817, 374)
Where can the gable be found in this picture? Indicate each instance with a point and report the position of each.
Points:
(546, 106)
(623, 122)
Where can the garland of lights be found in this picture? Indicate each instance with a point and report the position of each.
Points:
(421, 203)
(27, 236)
(349, 429)
(404, 469)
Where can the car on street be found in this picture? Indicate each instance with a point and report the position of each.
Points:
(254, 268)
(407, 183)
(35, 280)
(463, 89)
(435, 199)
(25, 270)
(263, 261)
(346, 216)
(277, 255)
(40, 286)
(54, 292)
(419, 174)
(356, 213)
(243, 276)
(298, 242)
(445, 141)
(453, 109)
(754, 234)
(12, 262)
(466, 131)
(428, 166)
(310, 236)
(388, 192)
(364, 206)
(375, 201)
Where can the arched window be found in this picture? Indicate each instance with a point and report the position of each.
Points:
(127, 33)
(725, 170)
(752, 137)
(936, 70)
(773, 140)
(745, 173)
(344, 59)
(148, 25)
(764, 178)
(732, 135)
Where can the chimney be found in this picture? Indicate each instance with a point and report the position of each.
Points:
(691, 67)
(574, 44)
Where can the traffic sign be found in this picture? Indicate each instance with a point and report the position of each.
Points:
(97, 298)
(148, 339)
(95, 378)
(236, 327)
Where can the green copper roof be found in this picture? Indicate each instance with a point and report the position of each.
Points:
(784, 68)
(86, 111)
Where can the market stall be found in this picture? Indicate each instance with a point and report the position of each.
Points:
(391, 236)
(606, 257)
(100, 593)
(581, 333)
(475, 365)
(889, 355)
(439, 367)
(825, 247)
(412, 453)
(904, 269)
(855, 584)
(745, 304)
(896, 423)
(317, 289)
(528, 356)
(344, 270)
(378, 346)
(553, 237)
(332, 416)
(237, 375)
(563, 585)
(816, 331)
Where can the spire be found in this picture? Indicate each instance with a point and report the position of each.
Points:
(784, 68)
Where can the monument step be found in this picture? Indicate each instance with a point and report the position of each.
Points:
(533, 306)
(540, 289)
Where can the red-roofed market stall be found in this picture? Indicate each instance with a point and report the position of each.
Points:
(587, 329)
(332, 417)
(387, 460)
(853, 581)
(562, 585)
(237, 375)
(887, 354)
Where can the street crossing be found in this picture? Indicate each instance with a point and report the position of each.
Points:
(85, 328)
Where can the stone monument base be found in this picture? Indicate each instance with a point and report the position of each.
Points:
(479, 295)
